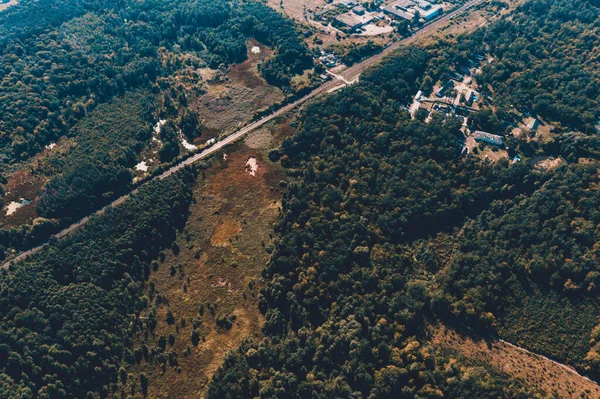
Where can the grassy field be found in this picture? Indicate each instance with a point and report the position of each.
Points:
(210, 282)
(533, 371)
(231, 101)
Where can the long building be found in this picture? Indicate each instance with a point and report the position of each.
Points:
(399, 9)
(406, 9)
(489, 138)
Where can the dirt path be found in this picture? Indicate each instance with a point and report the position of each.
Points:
(349, 75)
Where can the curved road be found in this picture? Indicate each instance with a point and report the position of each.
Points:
(349, 75)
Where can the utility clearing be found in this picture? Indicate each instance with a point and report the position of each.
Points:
(533, 370)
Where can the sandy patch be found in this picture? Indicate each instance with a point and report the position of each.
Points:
(50, 146)
(10, 3)
(142, 167)
(159, 125)
(255, 50)
(14, 206)
(187, 145)
(251, 166)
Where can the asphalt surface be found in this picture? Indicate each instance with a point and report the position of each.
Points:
(348, 75)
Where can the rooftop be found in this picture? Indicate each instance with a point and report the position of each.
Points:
(353, 20)
(488, 137)
(398, 11)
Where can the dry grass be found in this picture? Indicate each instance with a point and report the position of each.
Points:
(228, 104)
(534, 371)
(547, 163)
(222, 251)
(295, 9)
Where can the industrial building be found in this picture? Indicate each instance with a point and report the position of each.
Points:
(399, 9)
(352, 20)
(406, 9)
(429, 13)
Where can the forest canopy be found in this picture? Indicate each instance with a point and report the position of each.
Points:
(92, 52)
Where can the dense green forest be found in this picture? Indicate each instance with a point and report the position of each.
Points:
(385, 228)
(345, 302)
(60, 59)
(69, 313)
(545, 58)
(95, 73)
(100, 164)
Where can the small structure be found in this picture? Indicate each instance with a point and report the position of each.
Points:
(430, 12)
(532, 124)
(403, 4)
(359, 10)
(456, 76)
(469, 97)
(448, 85)
(349, 3)
(489, 138)
(329, 60)
(423, 4)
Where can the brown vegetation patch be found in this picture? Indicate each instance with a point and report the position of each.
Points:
(212, 278)
(227, 105)
(534, 371)
(547, 163)
(224, 231)
(296, 8)
(21, 184)
(247, 73)
(227, 111)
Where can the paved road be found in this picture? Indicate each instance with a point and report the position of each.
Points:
(348, 75)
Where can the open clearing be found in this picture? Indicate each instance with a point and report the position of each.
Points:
(215, 271)
(296, 8)
(534, 371)
(230, 103)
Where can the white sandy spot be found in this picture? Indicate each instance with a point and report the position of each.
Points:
(13, 206)
(255, 50)
(142, 167)
(187, 145)
(224, 157)
(251, 166)
(158, 125)
(50, 146)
